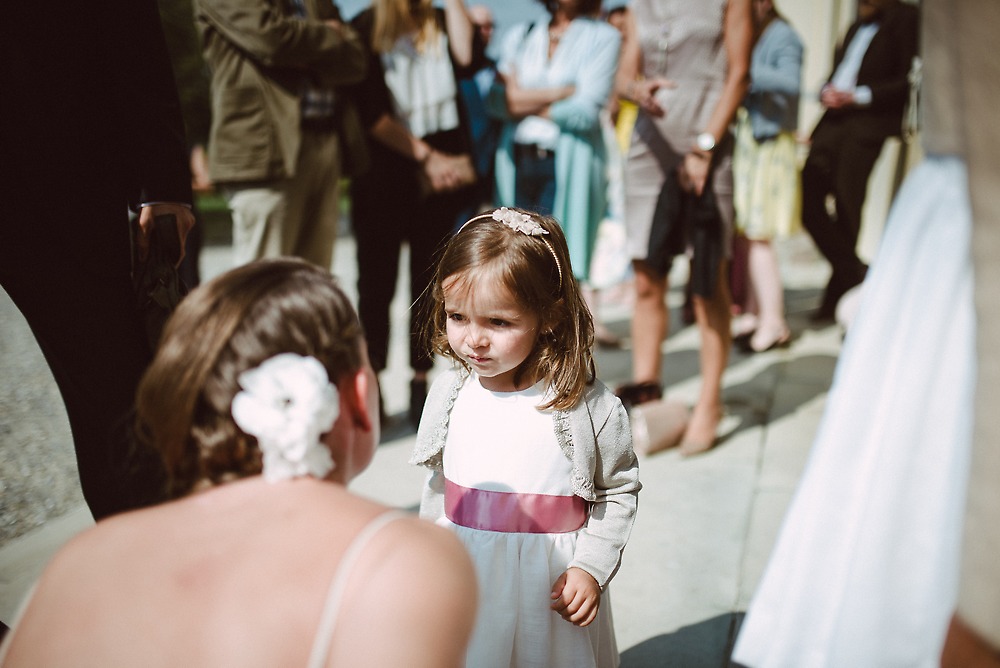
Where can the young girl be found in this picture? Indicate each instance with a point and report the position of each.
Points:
(531, 457)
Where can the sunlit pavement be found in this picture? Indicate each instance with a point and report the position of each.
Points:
(705, 524)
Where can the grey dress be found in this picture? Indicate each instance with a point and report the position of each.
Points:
(683, 41)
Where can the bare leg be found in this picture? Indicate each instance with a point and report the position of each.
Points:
(649, 323)
(712, 317)
(765, 280)
(602, 335)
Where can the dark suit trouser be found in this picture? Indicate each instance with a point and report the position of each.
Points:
(80, 308)
(839, 164)
(384, 216)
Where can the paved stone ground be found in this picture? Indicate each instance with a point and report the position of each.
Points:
(705, 525)
(37, 466)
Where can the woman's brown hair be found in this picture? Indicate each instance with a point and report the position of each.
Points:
(225, 327)
(536, 271)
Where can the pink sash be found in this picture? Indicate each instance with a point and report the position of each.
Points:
(509, 512)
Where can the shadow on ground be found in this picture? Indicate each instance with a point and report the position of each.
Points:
(779, 390)
(706, 644)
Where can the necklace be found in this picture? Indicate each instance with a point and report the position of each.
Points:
(556, 34)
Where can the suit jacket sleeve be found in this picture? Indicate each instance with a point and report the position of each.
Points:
(886, 66)
(152, 143)
(272, 38)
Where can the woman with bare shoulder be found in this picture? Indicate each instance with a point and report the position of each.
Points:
(263, 405)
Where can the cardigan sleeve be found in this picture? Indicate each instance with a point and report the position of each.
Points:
(616, 486)
(781, 71)
(580, 112)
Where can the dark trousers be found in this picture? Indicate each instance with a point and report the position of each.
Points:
(534, 179)
(77, 299)
(839, 164)
(384, 216)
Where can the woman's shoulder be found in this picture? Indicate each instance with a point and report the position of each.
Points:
(417, 603)
(600, 27)
(514, 38)
(782, 33)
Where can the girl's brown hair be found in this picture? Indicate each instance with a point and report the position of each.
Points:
(395, 18)
(486, 250)
(227, 326)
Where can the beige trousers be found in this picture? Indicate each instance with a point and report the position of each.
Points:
(295, 216)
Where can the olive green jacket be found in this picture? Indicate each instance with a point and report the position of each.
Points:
(260, 54)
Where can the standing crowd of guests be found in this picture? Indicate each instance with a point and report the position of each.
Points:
(405, 102)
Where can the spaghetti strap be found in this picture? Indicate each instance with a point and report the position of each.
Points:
(324, 633)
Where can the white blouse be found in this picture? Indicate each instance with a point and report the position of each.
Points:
(422, 85)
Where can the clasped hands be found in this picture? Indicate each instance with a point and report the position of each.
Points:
(444, 171)
(576, 596)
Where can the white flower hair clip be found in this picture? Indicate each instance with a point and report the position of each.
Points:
(522, 222)
(519, 222)
(288, 403)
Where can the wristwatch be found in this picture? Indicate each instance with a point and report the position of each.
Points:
(705, 141)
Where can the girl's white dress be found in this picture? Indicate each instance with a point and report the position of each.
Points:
(500, 442)
(865, 569)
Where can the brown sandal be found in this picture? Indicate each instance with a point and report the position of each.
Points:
(633, 394)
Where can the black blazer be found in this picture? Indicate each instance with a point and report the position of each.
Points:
(884, 69)
(90, 123)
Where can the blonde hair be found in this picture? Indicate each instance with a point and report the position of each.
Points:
(225, 327)
(396, 18)
(536, 271)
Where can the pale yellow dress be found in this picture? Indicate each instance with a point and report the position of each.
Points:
(766, 184)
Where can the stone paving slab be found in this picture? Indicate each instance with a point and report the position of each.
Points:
(705, 524)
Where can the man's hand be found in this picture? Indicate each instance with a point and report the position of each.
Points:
(834, 98)
(185, 221)
(576, 596)
(201, 181)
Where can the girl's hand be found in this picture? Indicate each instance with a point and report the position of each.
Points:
(694, 171)
(576, 596)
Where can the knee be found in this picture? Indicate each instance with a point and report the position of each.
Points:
(649, 287)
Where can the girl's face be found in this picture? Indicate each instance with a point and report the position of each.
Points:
(489, 330)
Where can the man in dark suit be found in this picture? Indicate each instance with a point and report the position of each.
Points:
(90, 125)
(864, 99)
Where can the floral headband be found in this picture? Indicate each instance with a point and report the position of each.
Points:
(523, 223)
(288, 403)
